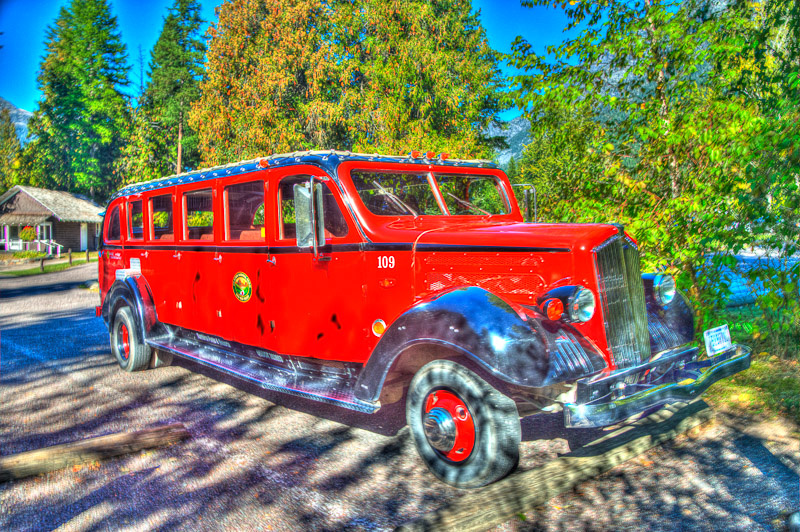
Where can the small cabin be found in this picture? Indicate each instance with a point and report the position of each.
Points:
(58, 220)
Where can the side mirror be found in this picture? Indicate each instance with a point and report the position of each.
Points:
(309, 217)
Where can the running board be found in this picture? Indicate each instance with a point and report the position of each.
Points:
(329, 389)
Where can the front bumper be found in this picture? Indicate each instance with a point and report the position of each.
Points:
(675, 376)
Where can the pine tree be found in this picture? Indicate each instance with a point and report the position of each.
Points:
(79, 127)
(366, 75)
(512, 171)
(9, 151)
(176, 68)
(147, 154)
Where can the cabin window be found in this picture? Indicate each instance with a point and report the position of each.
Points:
(161, 217)
(113, 231)
(335, 222)
(396, 194)
(472, 194)
(245, 204)
(199, 212)
(135, 220)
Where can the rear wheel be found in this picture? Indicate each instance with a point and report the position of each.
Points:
(129, 349)
(466, 431)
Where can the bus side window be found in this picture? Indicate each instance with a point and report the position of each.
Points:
(335, 223)
(245, 211)
(198, 209)
(113, 227)
(288, 230)
(161, 218)
(135, 220)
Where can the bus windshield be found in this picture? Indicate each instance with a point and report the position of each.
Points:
(412, 194)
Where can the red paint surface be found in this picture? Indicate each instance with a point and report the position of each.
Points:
(325, 308)
(126, 346)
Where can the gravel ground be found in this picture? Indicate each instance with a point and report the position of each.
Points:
(253, 465)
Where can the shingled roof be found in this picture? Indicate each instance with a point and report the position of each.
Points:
(65, 207)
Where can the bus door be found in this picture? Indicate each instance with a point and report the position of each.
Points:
(314, 307)
(242, 285)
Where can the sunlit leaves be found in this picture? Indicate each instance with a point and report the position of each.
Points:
(371, 75)
(646, 117)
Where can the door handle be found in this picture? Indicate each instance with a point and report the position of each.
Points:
(218, 259)
(272, 261)
(177, 255)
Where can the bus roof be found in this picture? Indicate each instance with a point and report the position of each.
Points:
(328, 160)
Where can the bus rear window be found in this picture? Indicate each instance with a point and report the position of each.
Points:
(135, 220)
(113, 231)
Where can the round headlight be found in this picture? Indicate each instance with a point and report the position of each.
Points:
(581, 305)
(664, 289)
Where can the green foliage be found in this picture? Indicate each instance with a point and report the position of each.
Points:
(200, 219)
(159, 125)
(29, 254)
(364, 75)
(27, 233)
(641, 119)
(160, 219)
(176, 68)
(79, 127)
(48, 268)
(9, 151)
(147, 154)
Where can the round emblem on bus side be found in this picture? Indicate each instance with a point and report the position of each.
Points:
(242, 288)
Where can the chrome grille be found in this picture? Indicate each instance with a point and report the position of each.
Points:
(622, 297)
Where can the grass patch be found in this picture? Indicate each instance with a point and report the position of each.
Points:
(48, 268)
(770, 387)
(30, 254)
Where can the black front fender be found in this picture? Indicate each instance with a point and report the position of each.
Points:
(517, 345)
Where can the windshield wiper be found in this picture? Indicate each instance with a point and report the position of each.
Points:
(467, 204)
(397, 201)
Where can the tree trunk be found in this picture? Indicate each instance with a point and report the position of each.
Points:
(99, 448)
(663, 111)
(180, 140)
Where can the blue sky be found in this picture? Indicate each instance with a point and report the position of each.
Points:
(23, 24)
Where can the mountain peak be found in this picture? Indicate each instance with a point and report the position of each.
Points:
(517, 135)
(19, 117)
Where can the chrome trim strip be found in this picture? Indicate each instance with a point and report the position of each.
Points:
(261, 380)
(701, 374)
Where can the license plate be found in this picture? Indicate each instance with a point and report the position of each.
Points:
(717, 340)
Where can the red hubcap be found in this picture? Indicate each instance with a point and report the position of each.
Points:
(446, 406)
(126, 346)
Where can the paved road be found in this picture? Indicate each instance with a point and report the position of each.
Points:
(253, 465)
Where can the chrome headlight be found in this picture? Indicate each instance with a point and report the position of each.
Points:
(581, 305)
(664, 289)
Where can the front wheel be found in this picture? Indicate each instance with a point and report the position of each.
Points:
(466, 431)
(129, 349)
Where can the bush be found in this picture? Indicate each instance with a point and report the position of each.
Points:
(30, 254)
(27, 233)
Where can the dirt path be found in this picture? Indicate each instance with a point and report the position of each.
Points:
(252, 465)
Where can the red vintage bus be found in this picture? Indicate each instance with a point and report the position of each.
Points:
(357, 280)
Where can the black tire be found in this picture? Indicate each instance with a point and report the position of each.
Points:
(134, 356)
(494, 417)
